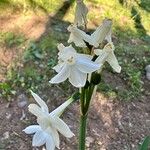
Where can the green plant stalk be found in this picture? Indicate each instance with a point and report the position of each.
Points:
(89, 94)
(82, 136)
(85, 99)
(82, 100)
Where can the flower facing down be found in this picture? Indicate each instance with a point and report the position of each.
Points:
(40, 137)
(79, 37)
(49, 124)
(73, 66)
(101, 33)
(80, 13)
(107, 54)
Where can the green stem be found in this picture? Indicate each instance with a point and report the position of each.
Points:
(83, 121)
(82, 99)
(89, 94)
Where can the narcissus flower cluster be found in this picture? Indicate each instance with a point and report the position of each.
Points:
(76, 66)
(80, 68)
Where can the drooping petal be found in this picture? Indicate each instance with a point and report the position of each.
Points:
(50, 145)
(36, 110)
(55, 135)
(102, 55)
(78, 41)
(32, 129)
(112, 60)
(107, 54)
(39, 138)
(80, 13)
(62, 127)
(78, 36)
(85, 65)
(62, 75)
(100, 33)
(77, 78)
(58, 111)
(40, 102)
(108, 37)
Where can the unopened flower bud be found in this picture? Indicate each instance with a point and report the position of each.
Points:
(96, 78)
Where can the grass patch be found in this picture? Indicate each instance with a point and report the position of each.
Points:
(38, 59)
(24, 6)
(10, 39)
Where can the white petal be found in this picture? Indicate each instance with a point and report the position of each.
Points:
(78, 41)
(108, 37)
(43, 121)
(85, 65)
(102, 56)
(39, 138)
(100, 33)
(85, 56)
(58, 67)
(62, 127)
(62, 75)
(98, 51)
(36, 110)
(40, 102)
(60, 47)
(77, 78)
(55, 136)
(78, 36)
(68, 49)
(58, 111)
(80, 13)
(50, 145)
(32, 129)
(112, 60)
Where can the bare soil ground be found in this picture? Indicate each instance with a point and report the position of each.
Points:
(112, 124)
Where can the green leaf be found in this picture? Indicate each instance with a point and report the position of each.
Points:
(145, 144)
(38, 55)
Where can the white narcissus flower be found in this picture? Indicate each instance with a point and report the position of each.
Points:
(80, 13)
(40, 137)
(49, 124)
(73, 66)
(107, 54)
(79, 37)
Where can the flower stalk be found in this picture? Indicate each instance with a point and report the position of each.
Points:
(82, 134)
(85, 99)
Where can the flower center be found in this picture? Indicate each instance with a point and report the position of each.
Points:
(71, 60)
